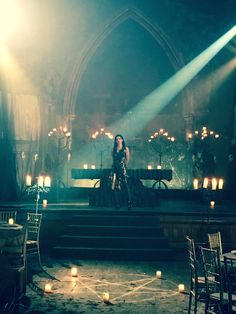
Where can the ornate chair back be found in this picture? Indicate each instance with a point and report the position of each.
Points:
(215, 297)
(215, 243)
(33, 241)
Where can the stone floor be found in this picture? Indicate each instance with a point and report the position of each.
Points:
(132, 288)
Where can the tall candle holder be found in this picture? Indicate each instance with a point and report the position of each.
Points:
(161, 143)
(60, 154)
(42, 185)
(101, 138)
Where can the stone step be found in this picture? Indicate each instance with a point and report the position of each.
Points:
(114, 220)
(114, 253)
(116, 242)
(108, 230)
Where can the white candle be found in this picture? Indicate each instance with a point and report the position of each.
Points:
(105, 297)
(205, 183)
(48, 288)
(28, 180)
(159, 167)
(195, 184)
(149, 167)
(213, 183)
(85, 166)
(45, 203)
(181, 287)
(220, 184)
(47, 181)
(158, 274)
(74, 272)
(40, 181)
(11, 221)
(212, 203)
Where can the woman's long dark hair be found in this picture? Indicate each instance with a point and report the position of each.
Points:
(115, 144)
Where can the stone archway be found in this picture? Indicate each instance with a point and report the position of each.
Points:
(126, 13)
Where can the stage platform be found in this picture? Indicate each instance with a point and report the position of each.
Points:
(72, 227)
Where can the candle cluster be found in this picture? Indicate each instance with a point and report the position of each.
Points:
(161, 133)
(204, 133)
(61, 131)
(214, 183)
(102, 132)
(42, 181)
(86, 166)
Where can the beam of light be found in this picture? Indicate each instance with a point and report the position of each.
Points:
(15, 77)
(152, 104)
(213, 81)
(221, 74)
(10, 17)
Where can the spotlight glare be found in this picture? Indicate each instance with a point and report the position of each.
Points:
(153, 103)
(9, 18)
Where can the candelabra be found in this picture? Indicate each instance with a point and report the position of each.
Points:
(101, 136)
(42, 185)
(201, 145)
(60, 152)
(161, 140)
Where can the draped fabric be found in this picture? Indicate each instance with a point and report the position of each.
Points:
(20, 152)
(25, 113)
(8, 188)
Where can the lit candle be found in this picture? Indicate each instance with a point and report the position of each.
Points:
(195, 184)
(48, 288)
(159, 167)
(93, 167)
(28, 180)
(45, 203)
(105, 297)
(220, 184)
(205, 183)
(158, 274)
(74, 272)
(212, 203)
(11, 221)
(40, 181)
(213, 183)
(181, 288)
(85, 166)
(47, 181)
(149, 167)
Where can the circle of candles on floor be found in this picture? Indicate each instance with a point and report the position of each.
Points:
(74, 272)
(11, 221)
(158, 274)
(48, 288)
(212, 203)
(105, 297)
(181, 288)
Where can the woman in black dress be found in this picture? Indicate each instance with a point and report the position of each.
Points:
(121, 157)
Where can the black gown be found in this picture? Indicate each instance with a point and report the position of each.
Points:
(119, 175)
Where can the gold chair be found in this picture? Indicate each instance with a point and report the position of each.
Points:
(33, 241)
(230, 276)
(197, 283)
(16, 256)
(5, 215)
(216, 298)
(215, 243)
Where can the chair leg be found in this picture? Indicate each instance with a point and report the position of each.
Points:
(190, 301)
(195, 302)
(39, 258)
